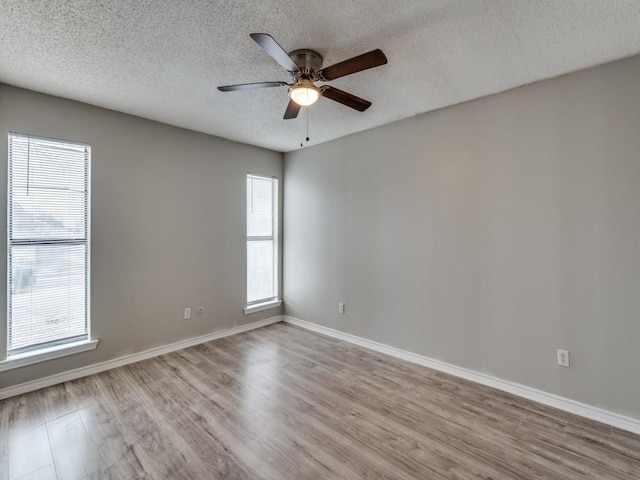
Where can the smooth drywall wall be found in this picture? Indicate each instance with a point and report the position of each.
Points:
(486, 235)
(167, 225)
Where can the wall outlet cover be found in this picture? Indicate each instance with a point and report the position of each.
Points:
(563, 358)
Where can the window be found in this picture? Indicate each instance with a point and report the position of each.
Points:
(262, 240)
(48, 244)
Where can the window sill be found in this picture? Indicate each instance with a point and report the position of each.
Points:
(24, 359)
(258, 307)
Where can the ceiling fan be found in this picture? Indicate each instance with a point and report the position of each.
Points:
(304, 67)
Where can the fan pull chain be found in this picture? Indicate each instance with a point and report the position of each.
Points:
(306, 112)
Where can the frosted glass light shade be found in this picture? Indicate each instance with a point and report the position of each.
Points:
(304, 94)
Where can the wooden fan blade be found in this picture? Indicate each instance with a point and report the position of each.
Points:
(272, 47)
(292, 110)
(345, 98)
(371, 59)
(250, 86)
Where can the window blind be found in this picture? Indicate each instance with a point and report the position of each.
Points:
(262, 284)
(48, 243)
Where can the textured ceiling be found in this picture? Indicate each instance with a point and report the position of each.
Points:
(164, 59)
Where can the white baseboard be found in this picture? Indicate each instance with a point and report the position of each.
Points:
(127, 359)
(561, 403)
(568, 405)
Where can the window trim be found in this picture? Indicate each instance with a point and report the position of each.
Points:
(45, 354)
(51, 351)
(259, 307)
(274, 301)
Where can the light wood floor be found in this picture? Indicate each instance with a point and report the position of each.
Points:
(284, 403)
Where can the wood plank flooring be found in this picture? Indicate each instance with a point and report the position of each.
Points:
(285, 403)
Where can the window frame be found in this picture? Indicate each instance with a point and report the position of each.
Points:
(272, 301)
(61, 347)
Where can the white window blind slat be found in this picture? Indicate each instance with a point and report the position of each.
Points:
(48, 243)
(262, 247)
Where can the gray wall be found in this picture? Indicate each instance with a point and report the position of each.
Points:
(167, 225)
(486, 235)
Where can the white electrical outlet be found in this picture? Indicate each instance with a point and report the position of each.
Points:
(563, 358)
(200, 310)
(187, 313)
(341, 308)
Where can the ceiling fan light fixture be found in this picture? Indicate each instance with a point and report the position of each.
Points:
(305, 67)
(304, 93)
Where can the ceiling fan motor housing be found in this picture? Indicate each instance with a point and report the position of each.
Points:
(308, 60)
